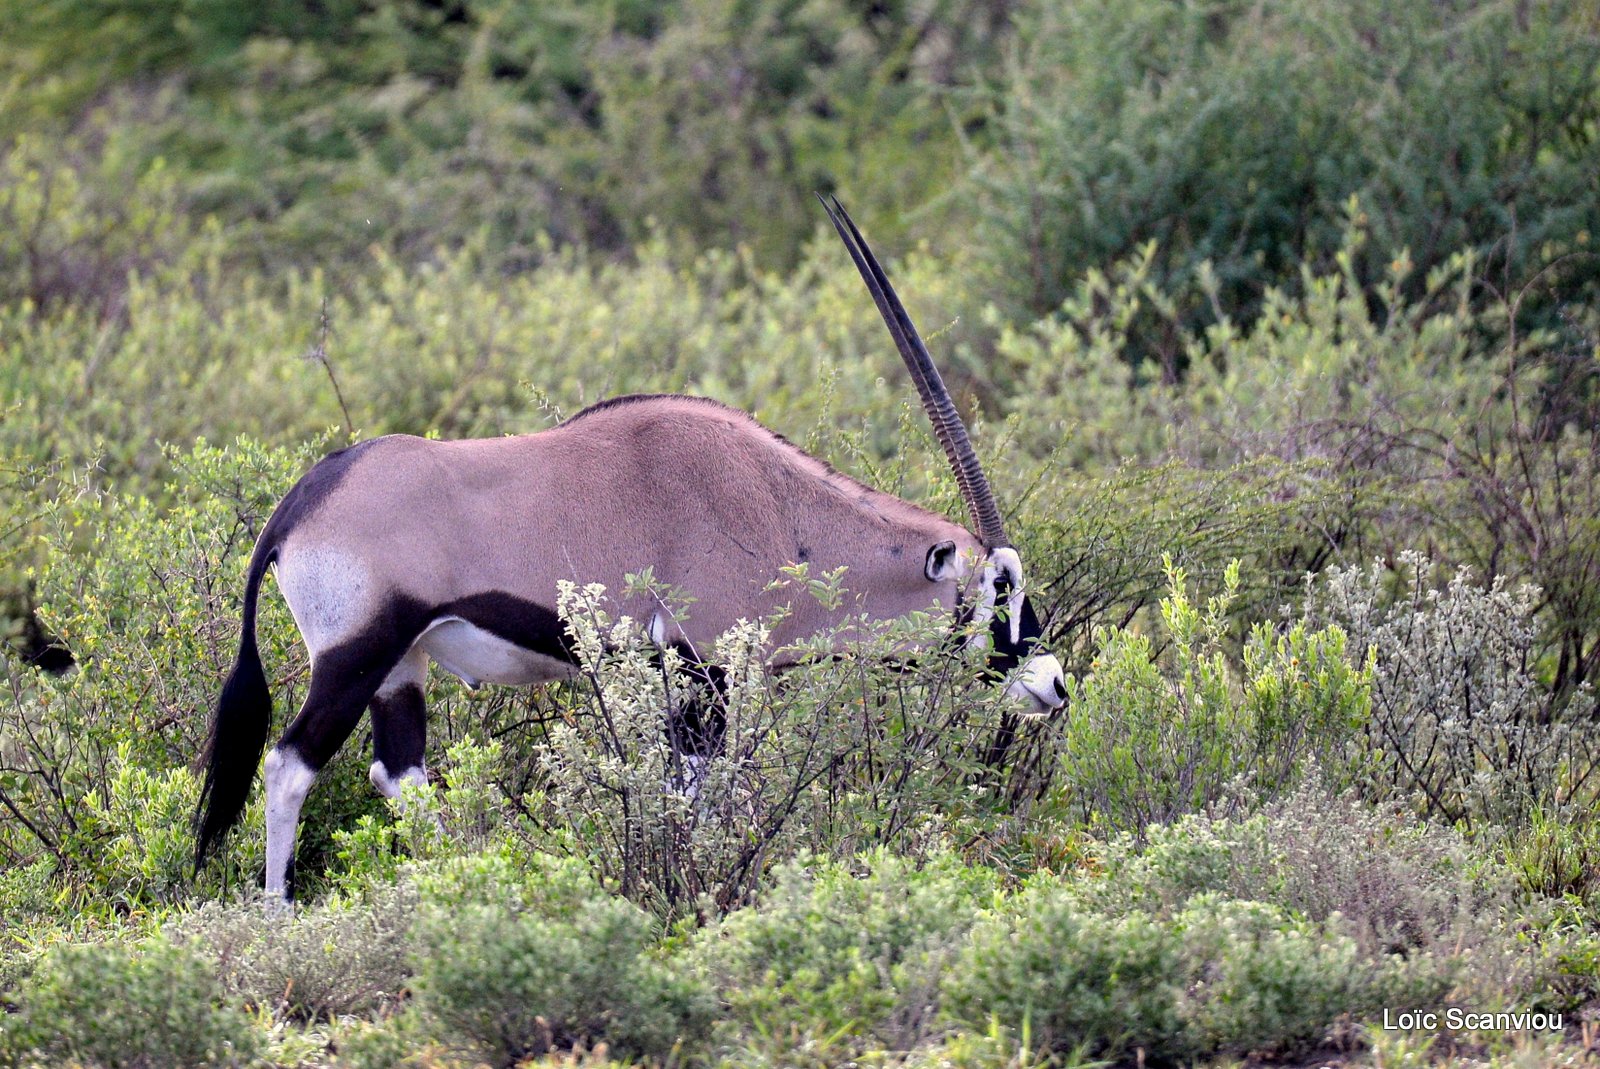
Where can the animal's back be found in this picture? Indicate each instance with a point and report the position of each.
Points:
(700, 493)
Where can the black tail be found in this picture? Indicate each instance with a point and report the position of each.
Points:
(238, 727)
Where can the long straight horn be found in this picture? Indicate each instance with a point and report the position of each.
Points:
(947, 425)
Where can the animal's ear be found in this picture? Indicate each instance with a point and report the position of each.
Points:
(941, 563)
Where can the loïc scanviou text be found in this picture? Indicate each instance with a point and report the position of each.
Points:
(1454, 1017)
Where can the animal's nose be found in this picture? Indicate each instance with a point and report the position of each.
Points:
(1060, 689)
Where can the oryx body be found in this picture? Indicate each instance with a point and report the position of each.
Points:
(402, 550)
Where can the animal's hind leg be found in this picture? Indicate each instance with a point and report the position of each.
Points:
(399, 725)
(343, 681)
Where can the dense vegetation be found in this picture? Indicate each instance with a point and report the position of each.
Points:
(1276, 325)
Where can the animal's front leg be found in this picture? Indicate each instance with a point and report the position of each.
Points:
(697, 724)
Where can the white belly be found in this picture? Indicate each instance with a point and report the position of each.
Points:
(476, 656)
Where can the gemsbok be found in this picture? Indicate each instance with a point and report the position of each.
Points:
(401, 550)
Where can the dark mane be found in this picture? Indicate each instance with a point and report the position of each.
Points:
(740, 415)
(642, 398)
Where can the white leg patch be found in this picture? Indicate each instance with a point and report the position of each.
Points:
(392, 786)
(288, 780)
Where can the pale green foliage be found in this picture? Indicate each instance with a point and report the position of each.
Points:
(330, 959)
(1260, 977)
(842, 957)
(383, 1045)
(1152, 736)
(1261, 933)
(523, 959)
(135, 831)
(1397, 885)
(468, 815)
(72, 233)
(1326, 354)
(147, 1006)
(1074, 977)
(1460, 726)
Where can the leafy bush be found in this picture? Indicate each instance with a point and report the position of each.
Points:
(1395, 884)
(1147, 741)
(852, 748)
(472, 813)
(1259, 978)
(135, 832)
(521, 961)
(840, 957)
(1071, 976)
(399, 1041)
(146, 1006)
(1236, 135)
(1214, 974)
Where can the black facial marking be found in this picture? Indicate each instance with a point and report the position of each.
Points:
(1005, 655)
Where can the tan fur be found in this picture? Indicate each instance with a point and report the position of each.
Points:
(709, 499)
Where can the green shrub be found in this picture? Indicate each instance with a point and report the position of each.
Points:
(842, 957)
(1262, 931)
(1400, 888)
(470, 814)
(146, 1006)
(1258, 978)
(398, 1041)
(1150, 738)
(517, 962)
(1071, 977)
(1216, 975)
(1556, 855)
(1236, 135)
(135, 832)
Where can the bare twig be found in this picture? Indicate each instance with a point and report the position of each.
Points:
(319, 354)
